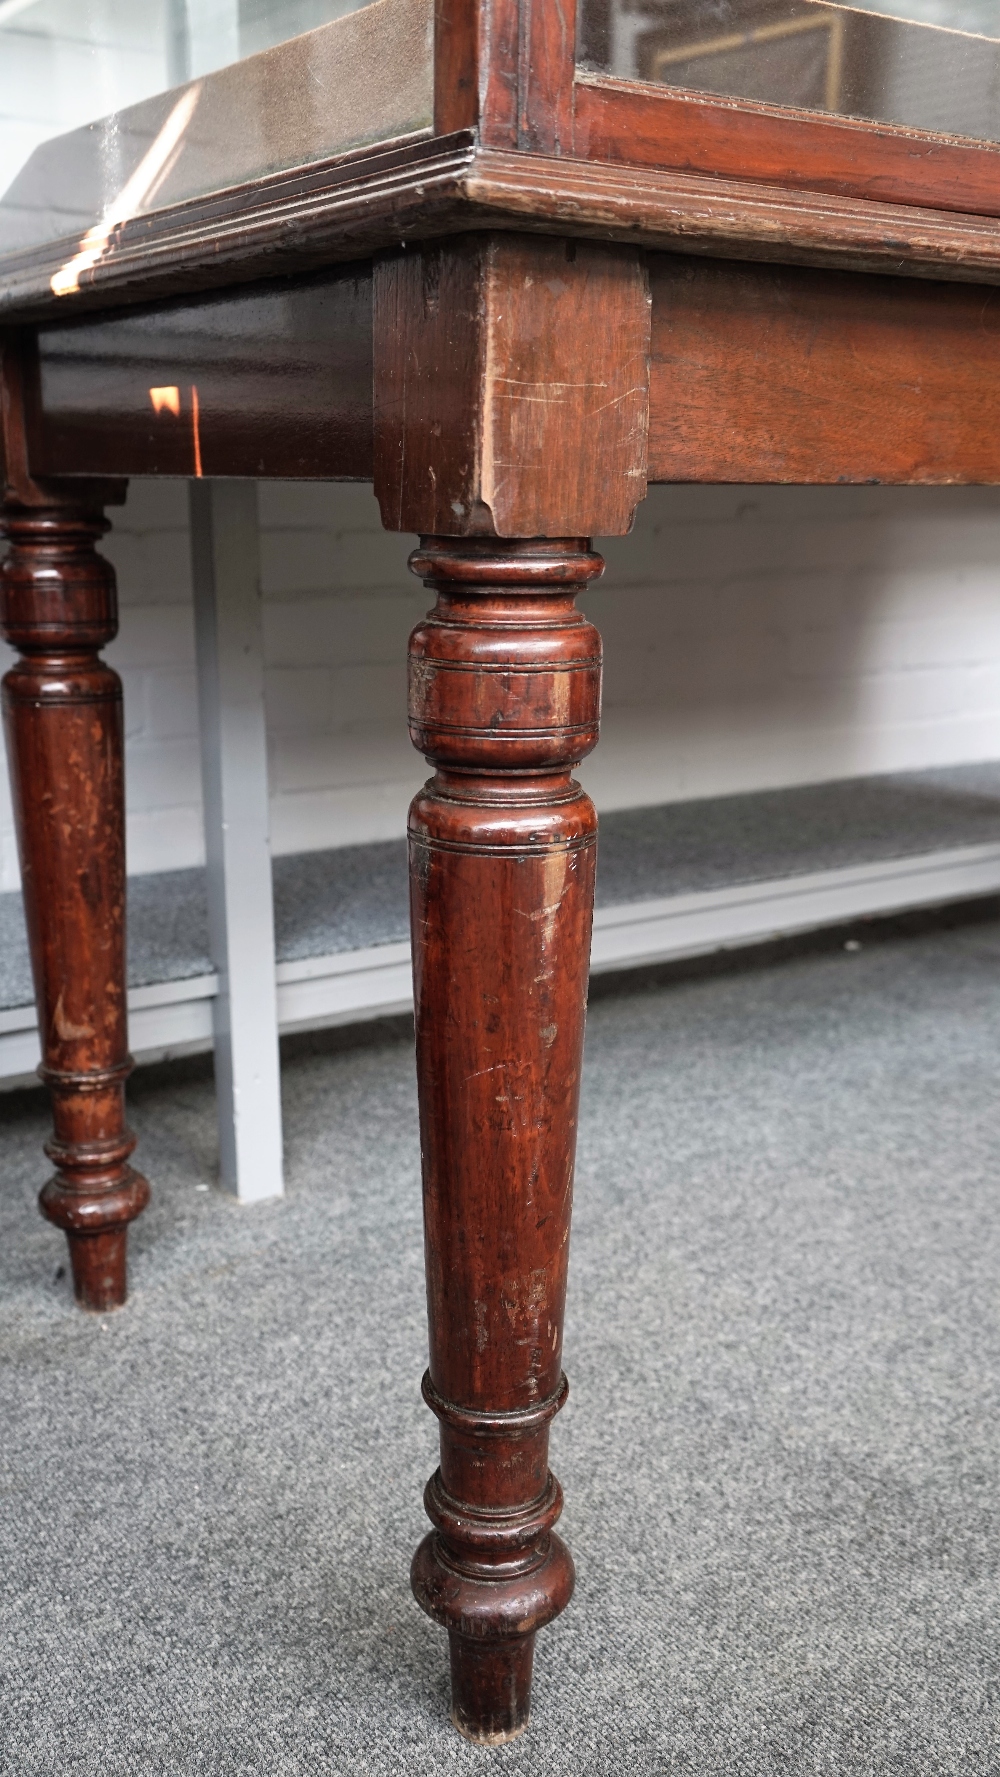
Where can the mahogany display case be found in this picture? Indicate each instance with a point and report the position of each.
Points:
(512, 262)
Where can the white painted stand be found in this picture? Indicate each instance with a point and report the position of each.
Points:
(170, 1018)
(226, 565)
(201, 35)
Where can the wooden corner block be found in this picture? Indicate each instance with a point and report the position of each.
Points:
(511, 387)
(20, 418)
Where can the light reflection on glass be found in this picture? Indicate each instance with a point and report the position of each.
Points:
(138, 193)
(64, 62)
(280, 83)
(927, 64)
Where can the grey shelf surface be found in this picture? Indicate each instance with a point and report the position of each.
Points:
(354, 897)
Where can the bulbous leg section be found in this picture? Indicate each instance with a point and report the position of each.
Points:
(96, 1228)
(492, 1619)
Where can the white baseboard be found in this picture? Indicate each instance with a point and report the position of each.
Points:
(175, 1017)
(752, 913)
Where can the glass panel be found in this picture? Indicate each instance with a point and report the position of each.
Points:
(927, 64)
(192, 96)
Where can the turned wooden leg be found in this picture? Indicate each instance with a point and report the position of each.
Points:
(504, 701)
(511, 402)
(63, 719)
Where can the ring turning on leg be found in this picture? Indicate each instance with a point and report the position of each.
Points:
(63, 718)
(504, 702)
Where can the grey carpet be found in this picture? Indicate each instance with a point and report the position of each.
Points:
(781, 1453)
(683, 846)
(330, 901)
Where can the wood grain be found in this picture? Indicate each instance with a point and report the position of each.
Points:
(284, 380)
(734, 218)
(373, 201)
(644, 125)
(511, 388)
(504, 701)
(62, 711)
(547, 70)
(773, 374)
(476, 50)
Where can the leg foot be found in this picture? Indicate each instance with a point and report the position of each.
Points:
(96, 1228)
(99, 1276)
(505, 682)
(491, 1687)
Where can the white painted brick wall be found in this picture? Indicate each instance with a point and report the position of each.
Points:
(754, 637)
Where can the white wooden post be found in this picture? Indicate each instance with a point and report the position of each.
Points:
(226, 563)
(213, 34)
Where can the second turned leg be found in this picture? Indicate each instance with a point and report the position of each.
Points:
(63, 720)
(505, 696)
(511, 417)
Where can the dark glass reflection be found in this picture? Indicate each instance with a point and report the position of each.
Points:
(927, 64)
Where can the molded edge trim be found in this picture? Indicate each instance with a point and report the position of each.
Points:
(364, 204)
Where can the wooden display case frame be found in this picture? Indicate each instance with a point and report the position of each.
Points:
(524, 138)
(571, 286)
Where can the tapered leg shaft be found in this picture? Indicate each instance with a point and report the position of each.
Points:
(504, 701)
(63, 720)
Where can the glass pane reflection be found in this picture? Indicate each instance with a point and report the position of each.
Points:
(190, 96)
(927, 64)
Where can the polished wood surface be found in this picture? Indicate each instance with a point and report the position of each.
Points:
(373, 201)
(522, 139)
(772, 374)
(645, 125)
(510, 396)
(63, 719)
(506, 69)
(489, 355)
(332, 212)
(547, 67)
(476, 68)
(481, 383)
(758, 373)
(504, 78)
(504, 701)
(275, 381)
